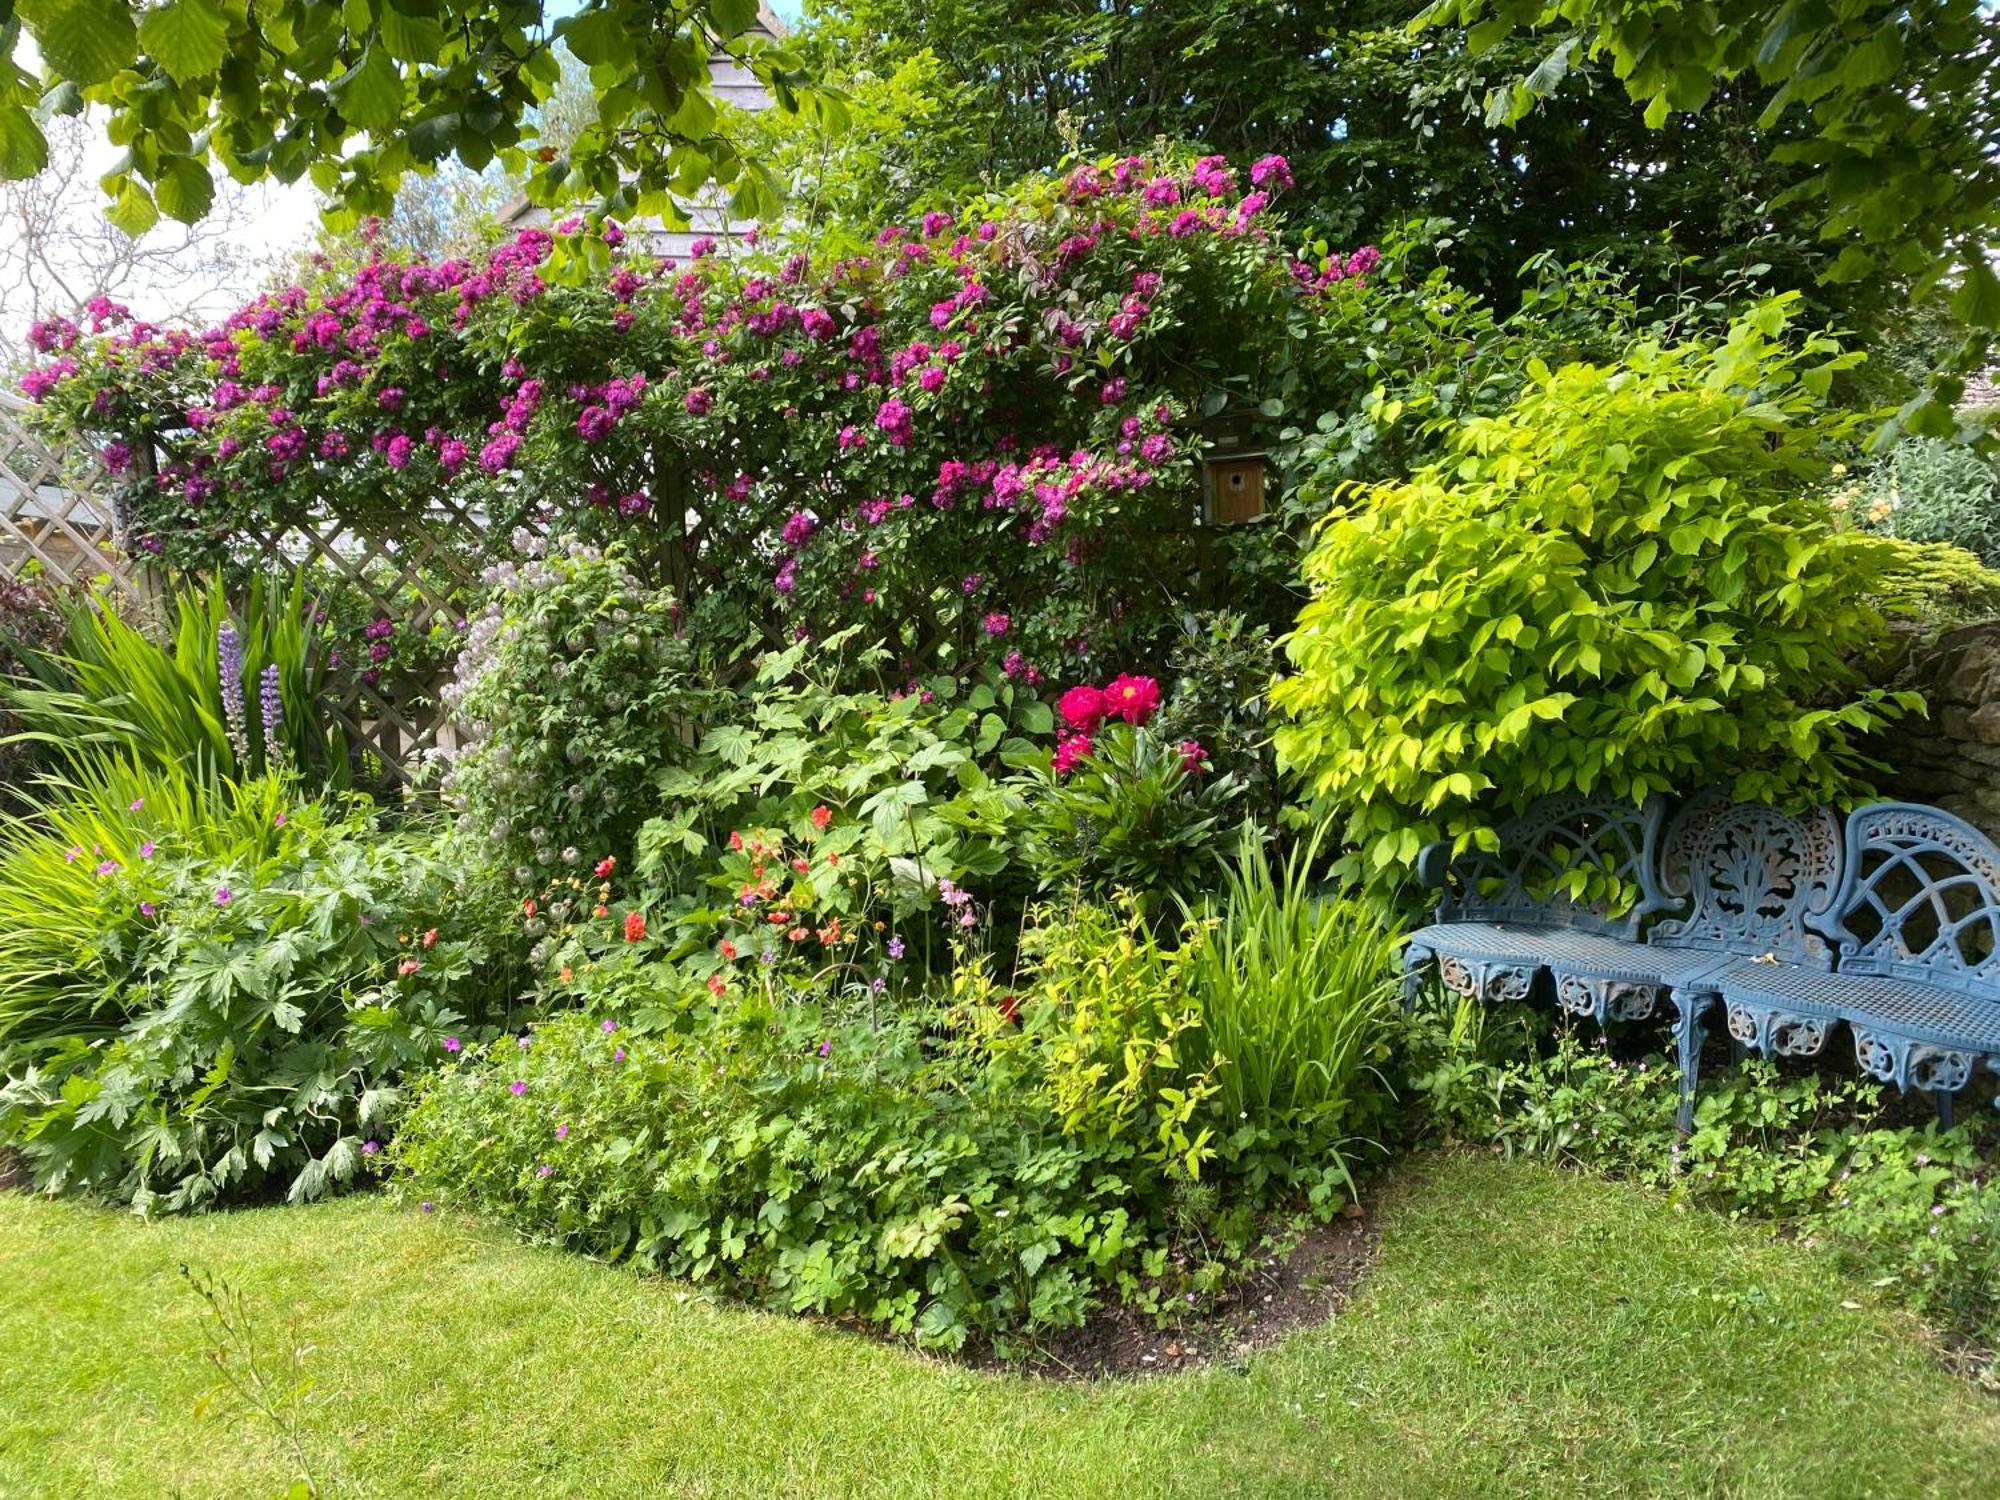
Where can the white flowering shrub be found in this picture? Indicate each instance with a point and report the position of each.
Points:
(575, 688)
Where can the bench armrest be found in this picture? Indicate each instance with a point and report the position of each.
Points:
(1433, 864)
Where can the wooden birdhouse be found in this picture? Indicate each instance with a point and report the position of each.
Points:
(1232, 476)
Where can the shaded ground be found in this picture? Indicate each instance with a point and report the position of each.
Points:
(1520, 1332)
(1280, 1293)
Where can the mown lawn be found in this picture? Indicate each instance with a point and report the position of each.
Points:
(1525, 1332)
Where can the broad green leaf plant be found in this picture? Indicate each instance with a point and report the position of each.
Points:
(1626, 583)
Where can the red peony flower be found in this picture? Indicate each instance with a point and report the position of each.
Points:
(1133, 699)
(1082, 708)
(1194, 759)
(1070, 754)
(821, 816)
(715, 984)
(728, 949)
(606, 865)
(635, 926)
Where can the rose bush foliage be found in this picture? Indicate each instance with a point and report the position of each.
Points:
(978, 440)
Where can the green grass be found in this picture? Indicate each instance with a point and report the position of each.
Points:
(1525, 1332)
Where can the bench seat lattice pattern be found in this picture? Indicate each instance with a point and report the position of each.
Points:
(1792, 926)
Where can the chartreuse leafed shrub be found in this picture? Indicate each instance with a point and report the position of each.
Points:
(1110, 1020)
(1295, 988)
(210, 989)
(1624, 584)
(1914, 1207)
(802, 1162)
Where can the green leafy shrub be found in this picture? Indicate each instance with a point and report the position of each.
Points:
(1128, 811)
(1624, 584)
(1295, 988)
(823, 822)
(575, 688)
(1913, 1207)
(802, 1163)
(209, 990)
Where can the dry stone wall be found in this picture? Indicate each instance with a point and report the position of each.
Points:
(1951, 758)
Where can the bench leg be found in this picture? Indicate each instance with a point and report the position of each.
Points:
(1942, 1098)
(1690, 1009)
(1414, 962)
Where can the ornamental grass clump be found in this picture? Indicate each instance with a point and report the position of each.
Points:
(1627, 583)
(1295, 987)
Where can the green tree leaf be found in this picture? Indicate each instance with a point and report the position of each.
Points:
(85, 41)
(24, 151)
(371, 93)
(188, 38)
(1977, 300)
(411, 36)
(132, 209)
(184, 190)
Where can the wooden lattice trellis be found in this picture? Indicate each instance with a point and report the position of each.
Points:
(52, 524)
(390, 720)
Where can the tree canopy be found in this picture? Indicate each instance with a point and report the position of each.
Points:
(1379, 125)
(1894, 110)
(355, 95)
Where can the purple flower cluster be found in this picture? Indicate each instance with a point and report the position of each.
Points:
(940, 408)
(271, 704)
(229, 668)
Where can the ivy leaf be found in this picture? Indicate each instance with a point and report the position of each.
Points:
(23, 149)
(85, 41)
(371, 93)
(188, 38)
(184, 190)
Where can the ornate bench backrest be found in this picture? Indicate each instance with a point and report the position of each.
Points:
(1920, 900)
(1558, 845)
(1754, 877)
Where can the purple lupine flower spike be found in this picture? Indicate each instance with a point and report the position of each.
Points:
(229, 651)
(271, 703)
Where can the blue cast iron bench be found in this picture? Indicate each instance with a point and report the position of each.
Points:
(1793, 925)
